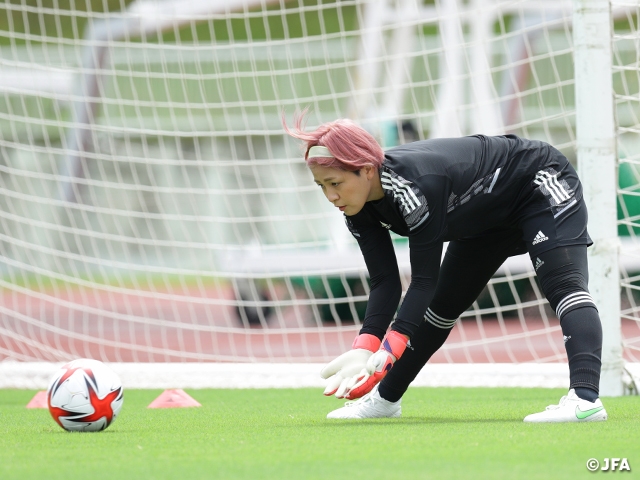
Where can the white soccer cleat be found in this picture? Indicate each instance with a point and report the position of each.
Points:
(570, 409)
(372, 405)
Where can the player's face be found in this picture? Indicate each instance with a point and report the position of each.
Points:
(348, 191)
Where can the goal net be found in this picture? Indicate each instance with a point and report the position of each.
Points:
(153, 209)
(626, 84)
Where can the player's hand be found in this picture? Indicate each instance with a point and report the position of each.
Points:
(378, 365)
(343, 372)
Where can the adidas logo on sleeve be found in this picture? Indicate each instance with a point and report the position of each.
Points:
(540, 237)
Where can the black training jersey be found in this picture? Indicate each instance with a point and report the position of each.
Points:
(440, 190)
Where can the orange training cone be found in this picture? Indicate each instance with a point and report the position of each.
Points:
(174, 399)
(39, 400)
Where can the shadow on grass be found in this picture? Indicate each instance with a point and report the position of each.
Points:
(417, 421)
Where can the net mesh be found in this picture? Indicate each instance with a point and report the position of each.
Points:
(626, 76)
(153, 210)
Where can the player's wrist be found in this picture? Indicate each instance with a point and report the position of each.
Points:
(395, 343)
(366, 341)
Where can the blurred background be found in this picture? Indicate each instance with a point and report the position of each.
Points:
(152, 208)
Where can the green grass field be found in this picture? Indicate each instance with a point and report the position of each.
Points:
(444, 433)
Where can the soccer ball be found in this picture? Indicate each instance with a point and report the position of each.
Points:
(85, 396)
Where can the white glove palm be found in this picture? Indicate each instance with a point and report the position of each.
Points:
(342, 372)
(378, 365)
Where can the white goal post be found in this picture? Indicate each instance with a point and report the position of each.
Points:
(596, 152)
(153, 212)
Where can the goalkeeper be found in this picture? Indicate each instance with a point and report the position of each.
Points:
(490, 198)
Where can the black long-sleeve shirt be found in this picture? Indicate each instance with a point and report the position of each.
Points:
(438, 190)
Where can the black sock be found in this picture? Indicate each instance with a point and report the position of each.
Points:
(583, 341)
(587, 394)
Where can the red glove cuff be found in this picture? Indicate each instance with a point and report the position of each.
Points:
(367, 342)
(394, 343)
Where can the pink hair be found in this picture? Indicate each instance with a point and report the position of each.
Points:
(352, 146)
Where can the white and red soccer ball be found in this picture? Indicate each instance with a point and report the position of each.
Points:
(85, 396)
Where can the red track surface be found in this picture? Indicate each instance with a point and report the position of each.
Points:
(129, 328)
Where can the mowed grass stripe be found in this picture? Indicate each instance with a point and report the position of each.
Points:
(280, 434)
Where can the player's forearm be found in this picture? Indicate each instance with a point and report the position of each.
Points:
(383, 303)
(414, 306)
(425, 268)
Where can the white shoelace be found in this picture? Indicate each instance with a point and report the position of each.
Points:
(560, 404)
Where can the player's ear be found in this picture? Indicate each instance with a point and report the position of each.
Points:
(369, 171)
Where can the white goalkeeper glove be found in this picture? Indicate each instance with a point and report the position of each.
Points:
(342, 373)
(378, 365)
